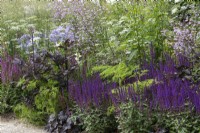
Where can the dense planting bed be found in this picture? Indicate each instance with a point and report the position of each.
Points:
(101, 66)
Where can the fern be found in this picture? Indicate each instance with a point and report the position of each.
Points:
(117, 73)
(138, 86)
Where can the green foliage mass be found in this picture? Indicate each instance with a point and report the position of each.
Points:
(113, 42)
(140, 85)
(120, 72)
(9, 98)
(16, 21)
(40, 99)
(132, 119)
(97, 120)
(47, 98)
(117, 73)
(129, 29)
(33, 116)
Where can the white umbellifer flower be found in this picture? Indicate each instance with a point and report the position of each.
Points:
(174, 10)
(77, 57)
(36, 38)
(176, 1)
(57, 44)
(28, 9)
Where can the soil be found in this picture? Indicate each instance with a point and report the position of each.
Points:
(9, 124)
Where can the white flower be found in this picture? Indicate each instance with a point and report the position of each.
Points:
(176, 1)
(57, 44)
(77, 57)
(174, 10)
(29, 9)
(36, 38)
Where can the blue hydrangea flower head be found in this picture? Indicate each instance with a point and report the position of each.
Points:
(61, 34)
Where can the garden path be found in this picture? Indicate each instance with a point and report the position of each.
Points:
(12, 125)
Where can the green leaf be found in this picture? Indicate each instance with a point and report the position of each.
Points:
(132, 55)
(21, 82)
(32, 85)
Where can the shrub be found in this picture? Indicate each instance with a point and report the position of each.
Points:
(9, 98)
(131, 118)
(98, 120)
(33, 116)
(39, 100)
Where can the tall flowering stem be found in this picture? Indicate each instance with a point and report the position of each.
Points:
(171, 89)
(9, 70)
(91, 92)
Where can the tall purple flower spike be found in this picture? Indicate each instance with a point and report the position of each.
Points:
(92, 91)
(169, 92)
(9, 70)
